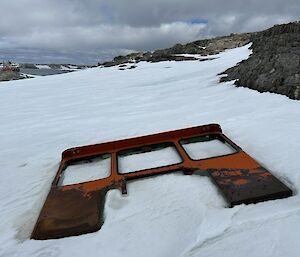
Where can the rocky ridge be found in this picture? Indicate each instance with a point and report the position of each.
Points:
(203, 47)
(274, 65)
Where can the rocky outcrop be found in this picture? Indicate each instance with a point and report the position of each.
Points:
(27, 66)
(24, 70)
(10, 75)
(202, 47)
(274, 65)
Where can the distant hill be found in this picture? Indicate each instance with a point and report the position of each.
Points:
(273, 67)
(24, 70)
(178, 52)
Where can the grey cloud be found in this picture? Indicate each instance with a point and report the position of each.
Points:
(144, 12)
(100, 29)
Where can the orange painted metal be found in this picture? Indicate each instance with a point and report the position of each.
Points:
(77, 209)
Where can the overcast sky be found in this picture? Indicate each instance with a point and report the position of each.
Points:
(78, 31)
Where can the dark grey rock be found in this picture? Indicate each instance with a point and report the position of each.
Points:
(27, 66)
(109, 64)
(55, 66)
(274, 65)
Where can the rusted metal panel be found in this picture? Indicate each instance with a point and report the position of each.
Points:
(70, 212)
(78, 209)
(248, 185)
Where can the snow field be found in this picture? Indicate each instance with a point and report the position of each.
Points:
(170, 215)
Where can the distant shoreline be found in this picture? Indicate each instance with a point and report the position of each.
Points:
(42, 72)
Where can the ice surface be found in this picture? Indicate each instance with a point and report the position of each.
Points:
(147, 160)
(207, 149)
(83, 171)
(171, 215)
(42, 66)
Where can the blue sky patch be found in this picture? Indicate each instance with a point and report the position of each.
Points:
(198, 21)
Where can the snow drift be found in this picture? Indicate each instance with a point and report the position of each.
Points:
(171, 215)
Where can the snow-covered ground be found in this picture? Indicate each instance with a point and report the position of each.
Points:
(69, 67)
(199, 56)
(170, 215)
(43, 66)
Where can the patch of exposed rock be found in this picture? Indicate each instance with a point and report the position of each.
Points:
(203, 47)
(27, 66)
(10, 75)
(274, 65)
